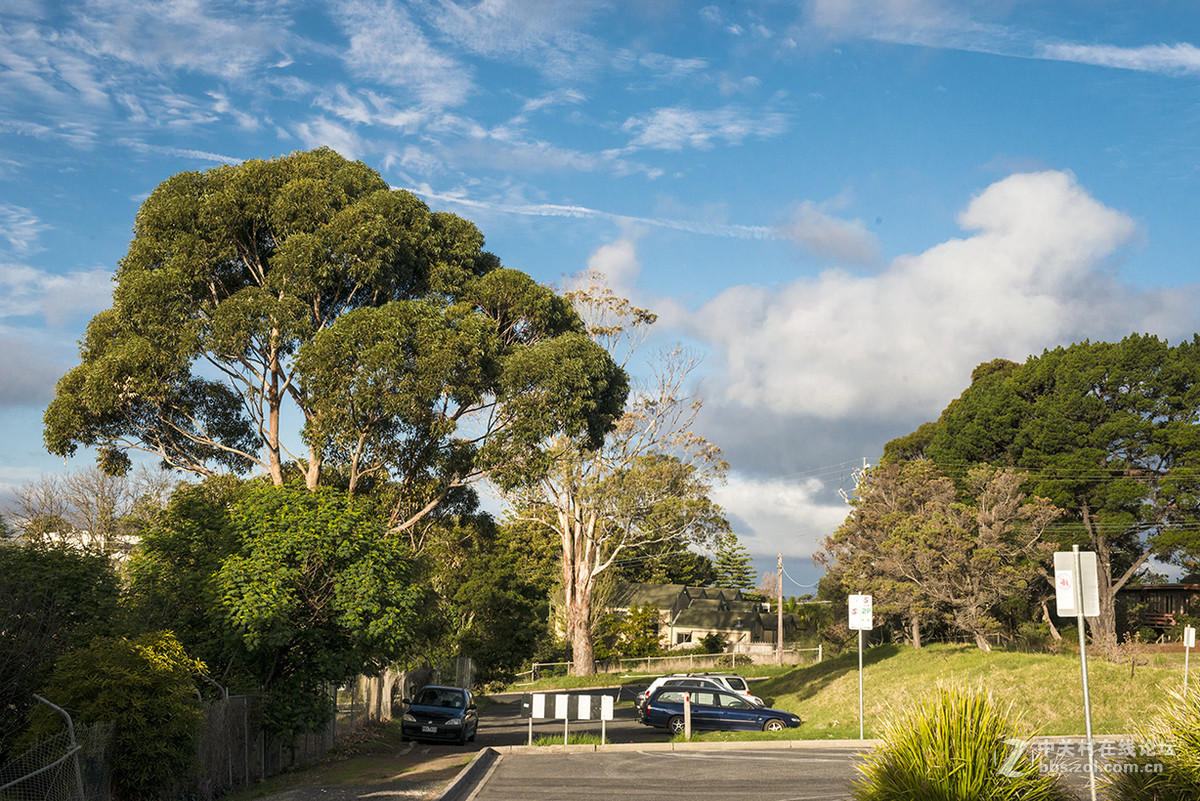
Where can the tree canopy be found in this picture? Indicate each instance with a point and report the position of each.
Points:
(1107, 431)
(306, 283)
(926, 553)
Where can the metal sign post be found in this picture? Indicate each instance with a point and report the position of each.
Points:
(1077, 592)
(860, 619)
(1189, 642)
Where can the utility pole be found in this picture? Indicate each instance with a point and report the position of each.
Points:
(779, 612)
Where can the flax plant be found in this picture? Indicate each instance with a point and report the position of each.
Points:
(1165, 763)
(956, 745)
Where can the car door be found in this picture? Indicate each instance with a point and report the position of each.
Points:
(738, 713)
(706, 709)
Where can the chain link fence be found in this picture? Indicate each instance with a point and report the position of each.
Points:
(233, 750)
(72, 765)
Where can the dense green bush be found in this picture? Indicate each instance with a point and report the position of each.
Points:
(1165, 765)
(955, 746)
(52, 599)
(146, 686)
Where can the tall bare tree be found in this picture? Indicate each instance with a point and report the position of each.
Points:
(913, 541)
(89, 508)
(649, 482)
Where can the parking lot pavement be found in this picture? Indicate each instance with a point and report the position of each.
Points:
(711, 774)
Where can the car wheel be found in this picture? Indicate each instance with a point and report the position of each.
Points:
(774, 724)
(473, 733)
(462, 736)
(675, 725)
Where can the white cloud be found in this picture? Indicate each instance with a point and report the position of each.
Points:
(618, 262)
(778, 516)
(933, 23)
(20, 228)
(388, 46)
(677, 128)
(182, 35)
(1176, 59)
(321, 132)
(843, 241)
(58, 299)
(1034, 273)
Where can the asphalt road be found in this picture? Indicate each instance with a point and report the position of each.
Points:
(658, 775)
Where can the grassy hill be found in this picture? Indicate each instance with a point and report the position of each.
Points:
(1045, 689)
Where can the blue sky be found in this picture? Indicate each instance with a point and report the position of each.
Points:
(843, 205)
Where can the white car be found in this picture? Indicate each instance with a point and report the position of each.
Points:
(721, 681)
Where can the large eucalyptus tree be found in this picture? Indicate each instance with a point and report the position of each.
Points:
(298, 311)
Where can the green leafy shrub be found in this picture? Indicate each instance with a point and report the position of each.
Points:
(957, 745)
(146, 687)
(1166, 762)
(52, 599)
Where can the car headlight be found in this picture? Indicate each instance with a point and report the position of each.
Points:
(454, 722)
(408, 716)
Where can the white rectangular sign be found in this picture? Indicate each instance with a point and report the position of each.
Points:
(1189, 637)
(860, 613)
(1068, 586)
(562, 706)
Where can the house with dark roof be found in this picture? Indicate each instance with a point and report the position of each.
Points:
(689, 614)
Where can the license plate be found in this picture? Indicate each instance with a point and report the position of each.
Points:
(429, 729)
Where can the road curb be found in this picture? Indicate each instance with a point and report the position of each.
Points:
(470, 778)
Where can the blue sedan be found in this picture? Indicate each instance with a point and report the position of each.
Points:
(713, 710)
(440, 713)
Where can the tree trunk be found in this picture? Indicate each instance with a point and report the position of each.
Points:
(312, 475)
(1050, 622)
(916, 632)
(982, 642)
(577, 528)
(582, 651)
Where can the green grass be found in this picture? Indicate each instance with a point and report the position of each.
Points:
(585, 738)
(1045, 688)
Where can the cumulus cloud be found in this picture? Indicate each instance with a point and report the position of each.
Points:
(780, 516)
(321, 132)
(1035, 271)
(618, 262)
(831, 367)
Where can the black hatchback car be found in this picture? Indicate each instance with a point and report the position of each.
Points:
(711, 709)
(440, 713)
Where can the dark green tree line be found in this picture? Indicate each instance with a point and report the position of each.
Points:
(1108, 432)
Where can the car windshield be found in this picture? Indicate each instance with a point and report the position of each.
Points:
(433, 696)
